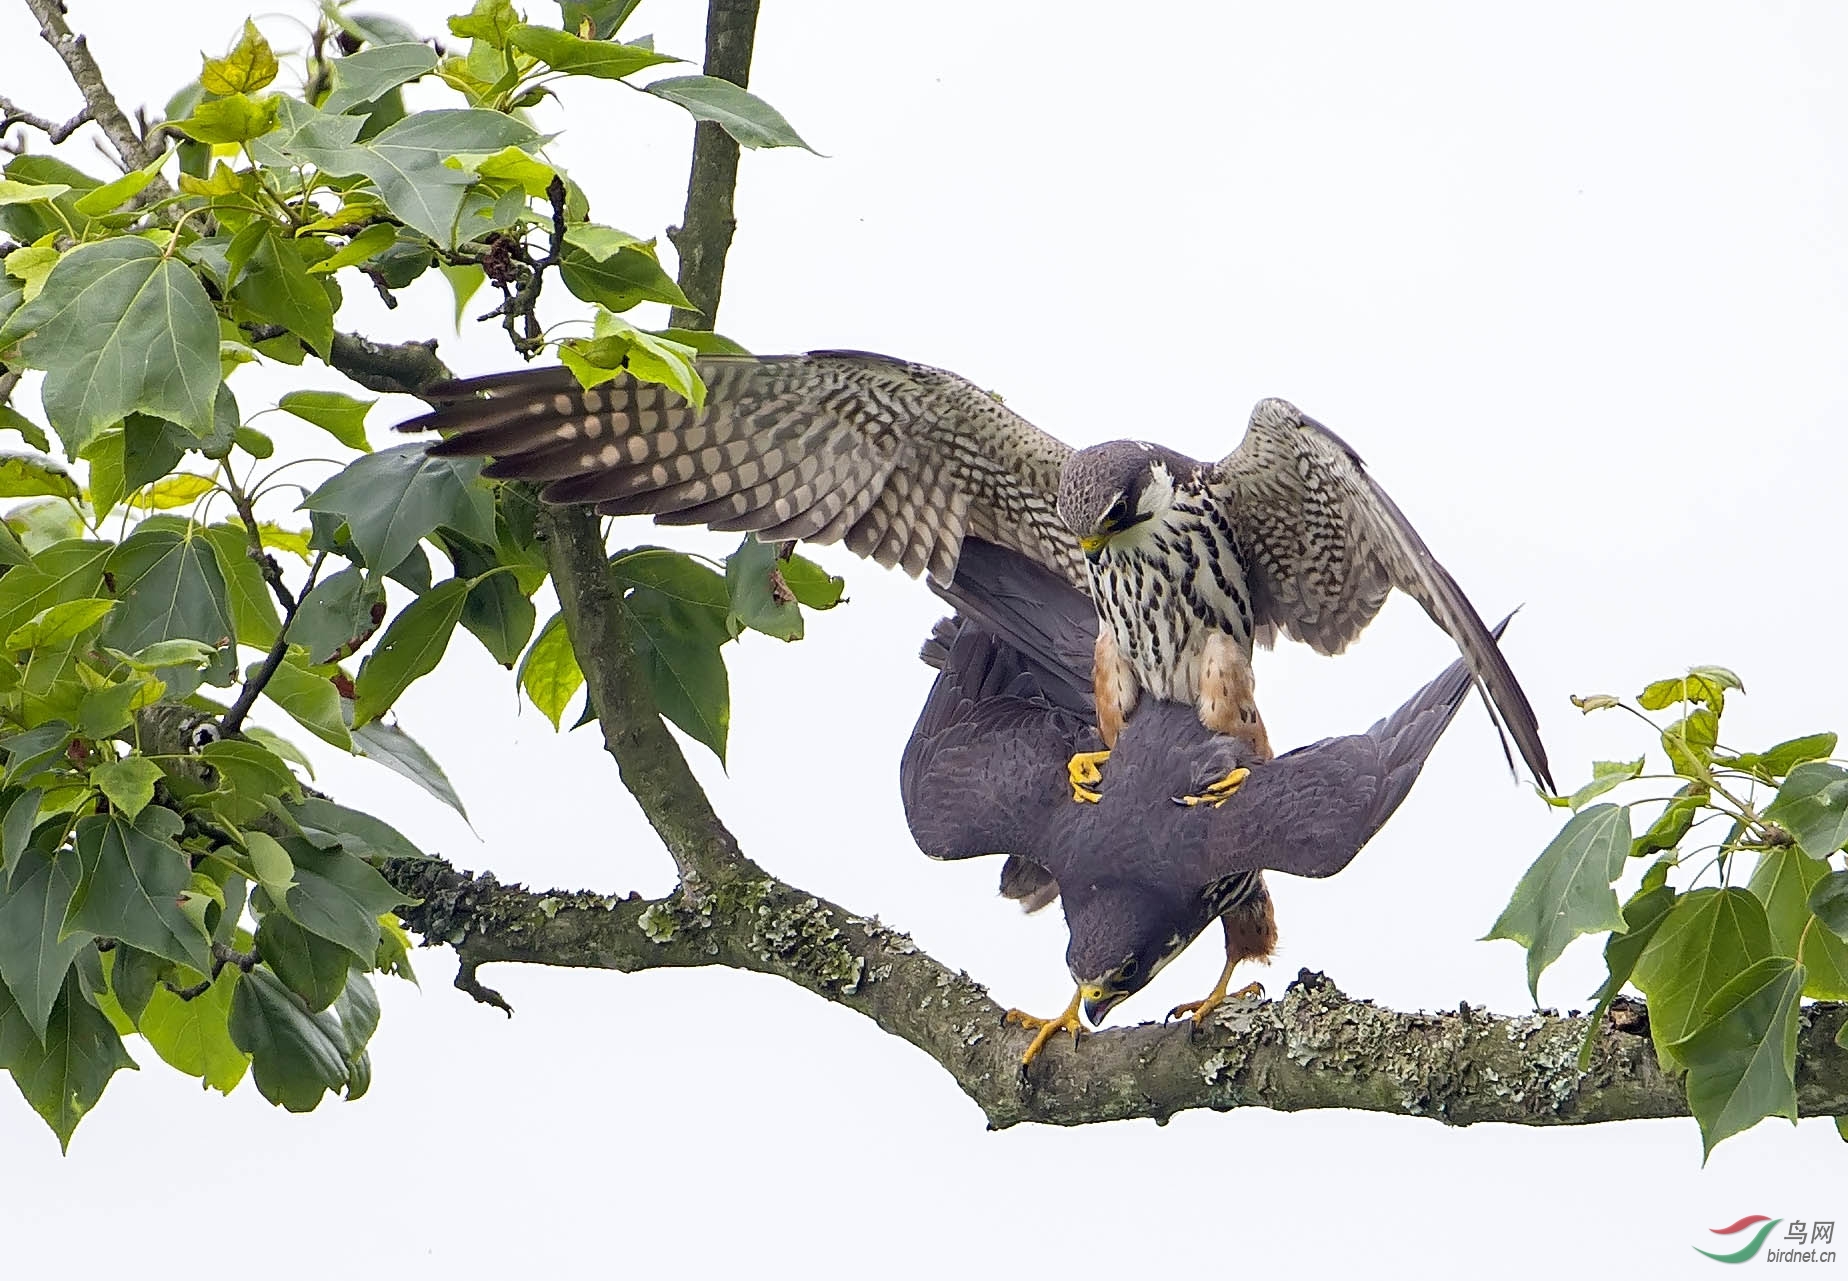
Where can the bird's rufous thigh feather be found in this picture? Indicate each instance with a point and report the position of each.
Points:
(1251, 932)
(1227, 697)
(1114, 682)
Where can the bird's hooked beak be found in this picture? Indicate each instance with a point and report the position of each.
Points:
(1099, 1000)
(1093, 544)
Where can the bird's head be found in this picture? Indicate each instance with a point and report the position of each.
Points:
(1108, 490)
(1121, 936)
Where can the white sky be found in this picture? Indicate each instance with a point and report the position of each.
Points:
(1572, 284)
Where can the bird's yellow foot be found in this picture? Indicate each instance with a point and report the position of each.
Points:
(1200, 1009)
(1084, 774)
(1216, 793)
(1048, 1028)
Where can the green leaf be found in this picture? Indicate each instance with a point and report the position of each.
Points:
(1783, 881)
(195, 1036)
(33, 958)
(1828, 900)
(179, 490)
(1812, 806)
(327, 824)
(1741, 1059)
(22, 476)
(1709, 937)
(295, 1056)
(1670, 826)
(338, 897)
(760, 599)
(278, 290)
(117, 328)
(67, 570)
(549, 673)
(60, 624)
(167, 578)
(604, 59)
(358, 1010)
(271, 862)
(600, 242)
(1642, 916)
(113, 195)
(625, 278)
(1771, 765)
(36, 749)
(342, 417)
(25, 193)
(234, 118)
(489, 22)
(405, 162)
(497, 613)
(395, 497)
(509, 165)
(22, 816)
(1567, 891)
(705, 342)
(248, 67)
(62, 1074)
(411, 647)
(252, 771)
(370, 242)
(128, 783)
(1696, 687)
(132, 876)
(253, 611)
(742, 114)
(107, 709)
(312, 700)
(364, 77)
(338, 616)
(309, 966)
(398, 752)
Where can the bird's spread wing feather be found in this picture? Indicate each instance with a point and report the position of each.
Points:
(1311, 810)
(1323, 545)
(897, 460)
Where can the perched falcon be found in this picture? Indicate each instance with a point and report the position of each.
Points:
(1140, 879)
(1189, 563)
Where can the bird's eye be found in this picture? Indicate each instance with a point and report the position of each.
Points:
(1118, 513)
(1129, 969)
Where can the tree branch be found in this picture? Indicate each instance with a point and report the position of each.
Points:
(130, 148)
(705, 232)
(652, 765)
(1314, 1048)
(409, 368)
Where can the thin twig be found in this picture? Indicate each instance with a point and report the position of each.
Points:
(11, 114)
(253, 685)
(132, 152)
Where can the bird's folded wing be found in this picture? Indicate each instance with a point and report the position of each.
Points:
(898, 460)
(1324, 545)
(1051, 624)
(984, 770)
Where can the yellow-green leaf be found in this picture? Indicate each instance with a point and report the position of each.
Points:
(249, 66)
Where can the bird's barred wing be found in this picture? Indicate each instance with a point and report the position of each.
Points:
(899, 461)
(1323, 546)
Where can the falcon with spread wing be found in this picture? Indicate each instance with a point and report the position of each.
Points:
(1140, 879)
(1189, 563)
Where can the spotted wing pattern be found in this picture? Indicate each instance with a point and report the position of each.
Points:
(899, 461)
(1323, 545)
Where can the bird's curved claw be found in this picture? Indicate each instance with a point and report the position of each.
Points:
(1199, 1010)
(1048, 1028)
(1085, 775)
(1218, 792)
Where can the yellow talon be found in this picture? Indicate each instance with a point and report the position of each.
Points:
(1048, 1028)
(1218, 792)
(1200, 1009)
(1084, 774)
